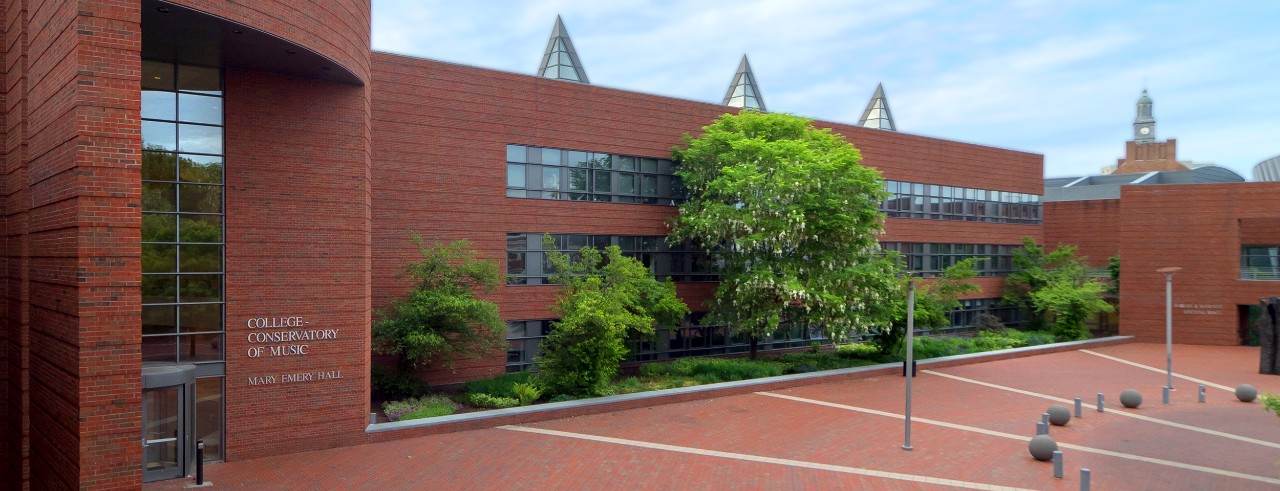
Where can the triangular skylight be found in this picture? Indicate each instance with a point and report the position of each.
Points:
(743, 91)
(560, 61)
(877, 114)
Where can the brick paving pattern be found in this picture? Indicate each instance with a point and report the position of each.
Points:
(833, 446)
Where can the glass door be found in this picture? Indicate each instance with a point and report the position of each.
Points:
(163, 433)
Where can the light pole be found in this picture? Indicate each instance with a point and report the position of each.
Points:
(908, 367)
(1168, 322)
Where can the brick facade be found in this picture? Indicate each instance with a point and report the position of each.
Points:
(322, 182)
(1200, 229)
(1092, 226)
(439, 168)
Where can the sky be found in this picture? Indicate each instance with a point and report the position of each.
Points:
(1057, 78)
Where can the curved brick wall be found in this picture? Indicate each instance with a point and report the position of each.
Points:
(336, 29)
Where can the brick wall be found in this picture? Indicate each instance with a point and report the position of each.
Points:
(1198, 228)
(1092, 226)
(297, 245)
(440, 132)
(71, 163)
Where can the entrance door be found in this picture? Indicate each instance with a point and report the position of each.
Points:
(164, 432)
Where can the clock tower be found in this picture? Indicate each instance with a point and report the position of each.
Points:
(1144, 125)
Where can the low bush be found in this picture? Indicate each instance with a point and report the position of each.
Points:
(526, 393)
(712, 370)
(982, 341)
(419, 407)
(480, 399)
(500, 386)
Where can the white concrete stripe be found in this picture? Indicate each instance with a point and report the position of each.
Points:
(1160, 370)
(984, 431)
(767, 460)
(1113, 410)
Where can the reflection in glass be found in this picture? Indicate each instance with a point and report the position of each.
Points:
(200, 168)
(207, 80)
(200, 198)
(209, 416)
(159, 258)
(200, 317)
(201, 228)
(159, 288)
(200, 287)
(200, 258)
(159, 319)
(199, 109)
(200, 347)
(158, 166)
(159, 349)
(159, 227)
(157, 135)
(158, 105)
(199, 139)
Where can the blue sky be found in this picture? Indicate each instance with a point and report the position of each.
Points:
(1058, 78)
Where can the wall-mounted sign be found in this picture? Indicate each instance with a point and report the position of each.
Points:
(1199, 308)
(286, 336)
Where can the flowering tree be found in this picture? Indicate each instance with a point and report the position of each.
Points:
(794, 217)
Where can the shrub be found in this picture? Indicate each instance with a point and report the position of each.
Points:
(526, 393)
(606, 298)
(1271, 403)
(500, 386)
(488, 401)
(421, 407)
(393, 385)
(711, 370)
(563, 398)
(857, 350)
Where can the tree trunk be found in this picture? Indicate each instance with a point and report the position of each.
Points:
(755, 343)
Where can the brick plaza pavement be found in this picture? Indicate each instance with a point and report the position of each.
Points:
(970, 427)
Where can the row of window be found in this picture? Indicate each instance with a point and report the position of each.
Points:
(183, 236)
(552, 173)
(929, 259)
(937, 202)
(1260, 262)
(524, 337)
(527, 263)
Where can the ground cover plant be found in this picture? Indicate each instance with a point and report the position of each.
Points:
(419, 407)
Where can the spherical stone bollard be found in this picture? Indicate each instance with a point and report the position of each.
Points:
(1246, 393)
(1059, 415)
(1130, 398)
(1042, 447)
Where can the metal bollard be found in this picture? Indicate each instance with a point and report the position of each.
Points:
(1057, 464)
(373, 418)
(1100, 405)
(199, 462)
(1079, 406)
(1085, 474)
(1201, 392)
(1044, 418)
(1165, 396)
(1042, 428)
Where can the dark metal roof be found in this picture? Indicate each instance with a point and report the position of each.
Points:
(1108, 186)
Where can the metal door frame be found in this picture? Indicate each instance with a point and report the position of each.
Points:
(183, 378)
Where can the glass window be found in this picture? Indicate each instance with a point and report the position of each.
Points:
(200, 198)
(200, 258)
(200, 317)
(159, 105)
(199, 138)
(626, 163)
(159, 288)
(551, 156)
(200, 168)
(204, 109)
(648, 185)
(515, 176)
(209, 416)
(516, 153)
(159, 135)
(602, 182)
(200, 287)
(159, 349)
(200, 228)
(578, 180)
(626, 183)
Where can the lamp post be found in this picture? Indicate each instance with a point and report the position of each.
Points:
(909, 363)
(1168, 322)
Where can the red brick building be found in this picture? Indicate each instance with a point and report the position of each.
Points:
(203, 202)
(1206, 220)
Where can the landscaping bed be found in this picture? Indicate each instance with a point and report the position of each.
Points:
(519, 389)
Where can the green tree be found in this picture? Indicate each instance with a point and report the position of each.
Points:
(1071, 303)
(935, 300)
(1034, 268)
(441, 318)
(605, 298)
(1113, 270)
(793, 217)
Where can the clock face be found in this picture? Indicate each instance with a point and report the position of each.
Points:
(1145, 130)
